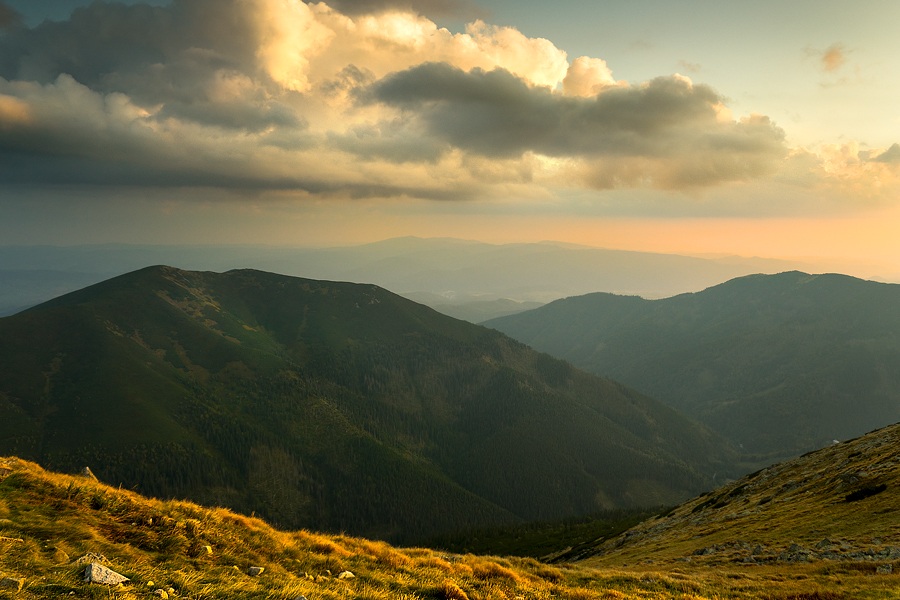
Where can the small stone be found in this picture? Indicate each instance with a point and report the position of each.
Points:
(886, 569)
(161, 594)
(150, 584)
(255, 571)
(97, 573)
(206, 550)
(86, 472)
(170, 590)
(11, 583)
(301, 597)
(346, 575)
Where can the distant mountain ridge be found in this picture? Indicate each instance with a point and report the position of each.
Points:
(778, 363)
(331, 405)
(454, 274)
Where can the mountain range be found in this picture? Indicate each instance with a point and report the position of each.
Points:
(463, 278)
(778, 364)
(329, 405)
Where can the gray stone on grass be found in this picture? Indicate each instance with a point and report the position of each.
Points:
(86, 472)
(97, 573)
(161, 594)
(346, 575)
(11, 583)
(885, 569)
(255, 571)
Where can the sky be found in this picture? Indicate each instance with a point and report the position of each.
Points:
(689, 126)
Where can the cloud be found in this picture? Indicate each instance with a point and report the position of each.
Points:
(430, 8)
(891, 156)
(666, 132)
(8, 17)
(690, 67)
(834, 57)
(362, 99)
(831, 59)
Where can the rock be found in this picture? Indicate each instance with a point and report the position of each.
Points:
(757, 550)
(884, 569)
(97, 573)
(91, 557)
(796, 548)
(825, 544)
(207, 550)
(6, 523)
(161, 594)
(300, 598)
(12, 583)
(86, 472)
(346, 575)
(170, 590)
(255, 571)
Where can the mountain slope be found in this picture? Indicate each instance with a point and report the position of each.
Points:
(778, 363)
(330, 405)
(837, 505)
(52, 526)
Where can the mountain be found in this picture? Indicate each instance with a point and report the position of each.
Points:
(331, 405)
(835, 509)
(440, 272)
(779, 364)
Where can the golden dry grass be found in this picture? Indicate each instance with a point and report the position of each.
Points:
(59, 518)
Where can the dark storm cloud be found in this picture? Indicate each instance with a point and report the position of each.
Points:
(497, 114)
(8, 17)
(169, 56)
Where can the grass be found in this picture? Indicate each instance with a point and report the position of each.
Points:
(48, 520)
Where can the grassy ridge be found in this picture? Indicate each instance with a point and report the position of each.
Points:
(335, 406)
(48, 520)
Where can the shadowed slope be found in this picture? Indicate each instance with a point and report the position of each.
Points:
(778, 363)
(332, 405)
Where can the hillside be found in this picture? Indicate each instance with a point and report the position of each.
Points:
(834, 509)
(53, 526)
(780, 364)
(330, 405)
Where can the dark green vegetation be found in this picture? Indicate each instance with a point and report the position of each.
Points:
(547, 540)
(835, 510)
(330, 405)
(778, 363)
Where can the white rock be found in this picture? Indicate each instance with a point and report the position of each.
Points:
(346, 575)
(97, 573)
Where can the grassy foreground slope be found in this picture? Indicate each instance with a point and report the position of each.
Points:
(781, 363)
(328, 405)
(48, 521)
(836, 510)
